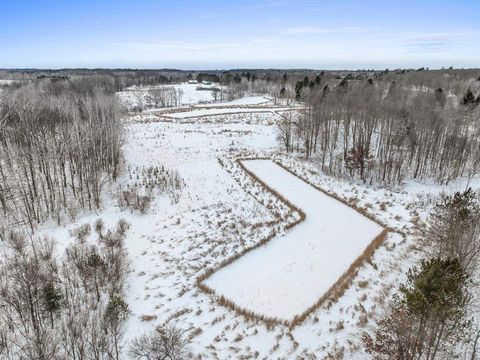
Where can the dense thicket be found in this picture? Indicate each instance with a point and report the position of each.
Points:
(67, 308)
(59, 144)
(387, 131)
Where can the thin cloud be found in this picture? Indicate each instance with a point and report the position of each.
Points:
(178, 45)
(437, 36)
(433, 42)
(319, 30)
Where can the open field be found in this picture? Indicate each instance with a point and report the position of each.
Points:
(135, 96)
(276, 290)
(290, 273)
(221, 212)
(222, 111)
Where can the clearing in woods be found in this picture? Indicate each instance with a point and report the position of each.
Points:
(290, 273)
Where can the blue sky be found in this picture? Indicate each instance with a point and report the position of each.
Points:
(342, 34)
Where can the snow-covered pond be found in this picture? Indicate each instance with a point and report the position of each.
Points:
(290, 273)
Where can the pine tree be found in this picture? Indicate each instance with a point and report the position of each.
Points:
(440, 96)
(52, 300)
(343, 83)
(305, 81)
(455, 229)
(428, 315)
(298, 90)
(469, 98)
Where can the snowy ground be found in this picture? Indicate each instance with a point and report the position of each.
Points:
(132, 96)
(222, 211)
(6, 82)
(220, 111)
(290, 273)
(247, 100)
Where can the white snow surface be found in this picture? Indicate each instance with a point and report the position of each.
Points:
(247, 100)
(134, 95)
(219, 111)
(221, 212)
(290, 273)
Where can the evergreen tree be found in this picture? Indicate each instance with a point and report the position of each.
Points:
(455, 228)
(440, 96)
(325, 90)
(428, 315)
(343, 83)
(298, 90)
(469, 98)
(52, 300)
(305, 81)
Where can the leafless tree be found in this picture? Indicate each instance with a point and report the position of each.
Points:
(166, 343)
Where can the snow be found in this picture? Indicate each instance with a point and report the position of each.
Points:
(132, 96)
(193, 96)
(247, 100)
(289, 274)
(222, 211)
(219, 111)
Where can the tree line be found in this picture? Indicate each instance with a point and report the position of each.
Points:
(387, 131)
(60, 143)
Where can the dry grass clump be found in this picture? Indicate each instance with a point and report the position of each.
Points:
(362, 284)
(148, 317)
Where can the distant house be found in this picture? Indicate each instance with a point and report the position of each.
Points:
(192, 81)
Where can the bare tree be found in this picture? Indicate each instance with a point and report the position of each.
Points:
(166, 343)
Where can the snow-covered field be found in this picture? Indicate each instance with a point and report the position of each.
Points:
(6, 82)
(247, 100)
(290, 273)
(133, 96)
(222, 211)
(220, 111)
